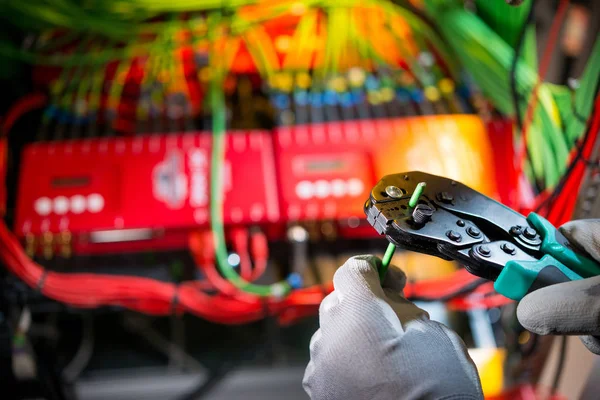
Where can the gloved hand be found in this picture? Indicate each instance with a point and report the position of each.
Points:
(375, 344)
(570, 308)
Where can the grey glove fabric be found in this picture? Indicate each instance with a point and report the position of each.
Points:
(375, 344)
(571, 308)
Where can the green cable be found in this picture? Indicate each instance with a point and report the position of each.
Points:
(279, 289)
(414, 199)
(389, 252)
(582, 102)
(386, 260)
(488, 58)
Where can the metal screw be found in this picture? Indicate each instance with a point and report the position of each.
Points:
(484, 251)
(529, 233)
(394, 192)
(472, 231)
(454, 236)
(515, 230)
(422, 213)
(445, 197)
(460, 223)
(453, 183)
(405, 177)
(508, 248)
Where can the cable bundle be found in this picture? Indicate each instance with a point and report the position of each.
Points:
(549, 129)
(141, 44)
(558, 205)
(150, 296)
(167, 55)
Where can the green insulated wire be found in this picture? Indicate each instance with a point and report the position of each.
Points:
(389, 252)
(414, 199)
(386, 260)
(279, 289)
(488, 58)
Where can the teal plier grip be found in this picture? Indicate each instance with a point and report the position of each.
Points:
(559, 264)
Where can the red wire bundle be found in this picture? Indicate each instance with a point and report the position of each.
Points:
(147, 295)
(482, 297)
(440, 288)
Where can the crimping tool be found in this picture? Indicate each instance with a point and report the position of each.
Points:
(438, 216)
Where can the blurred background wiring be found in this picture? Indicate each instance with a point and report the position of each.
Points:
(192, 173)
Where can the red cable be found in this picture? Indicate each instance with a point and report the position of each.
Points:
(466, 303)
(23, 106)
(562, 208)
(483, 297)
(240, 245)
(203, 285)
(259, 249)
(440, 288)
(307, 299)
(202, 249)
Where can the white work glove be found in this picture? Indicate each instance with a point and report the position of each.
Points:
(374, 344)
(570, 308)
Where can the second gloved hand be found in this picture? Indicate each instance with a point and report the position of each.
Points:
(570, 308)
(375, 344)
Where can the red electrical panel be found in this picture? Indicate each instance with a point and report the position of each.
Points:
(141, 192)
(148, 192)
(325, 170)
